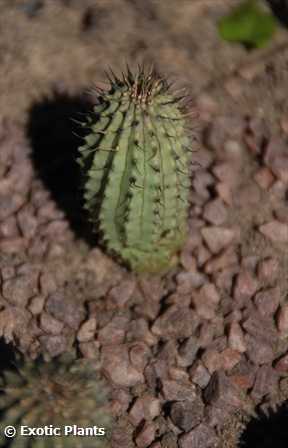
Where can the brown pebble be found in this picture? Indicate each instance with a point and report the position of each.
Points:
(199, 374)
(215, 212)
(37, 304)
(8, 228)
(217, 238)
(212, 360)
(258, 350)
(267, 270)
(275, 231)
(264, 178)
(178, 391)
(187, 414)
(50, 325)
(230, 358)
(146, 435)
(87, 330)
(267, 301)
(121, 293)
(245, 286)
(114, 331)
(19, 289)
(282, 319)
(116, 365)
(203, 436)
(236, 338)
(282, 364)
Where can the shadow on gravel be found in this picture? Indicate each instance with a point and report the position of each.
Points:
(55, 138)
(7, 358)
(280, 10)
(267, 432)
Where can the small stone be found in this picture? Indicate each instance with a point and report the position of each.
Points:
(50, 325)
(189, 280)
(245, 287)
(145, 408)
(87, 330)
(221, 392)
(7, 272)
(224, 192)
(177, 322)
(236, 338)
(13, 245)
(114, 331)
(188, 261)
(277, 191)
(8, 228)
(178, 391)
(54, 345)
(178, 374)
(90, 349)
(215, 212)
(217, 238)
(212, 360)
(202, 254)
(116, 365)
(267, 301)
(281, 214)
(222, 261)
(27, 221)
(146, 435)
(259, 351)
(203, 436)
(282, 319)
(267, 270)
(261, 327)
(209, 291)
(282, 364)
(121, 293)
(199, 374)
(206, 334)
(139, 354)
(203, 306)
(48, 283)
(266, 380)
(226, 174)
(187, 414)
(230, 358)
(264, 178)
(9, 204)
(247, 195)
(20, 289)
(275, 231)
(202, 179)
(65, 309)
(243, 374)
(188, 351)
(37, 304)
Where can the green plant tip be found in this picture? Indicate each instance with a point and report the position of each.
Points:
(248, 24)
(136, 165)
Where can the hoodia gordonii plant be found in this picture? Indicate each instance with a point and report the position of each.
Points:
(136, 161)
(63, 403)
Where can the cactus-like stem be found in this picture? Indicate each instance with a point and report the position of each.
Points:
(136, 164)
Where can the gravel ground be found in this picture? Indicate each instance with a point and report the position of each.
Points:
(191, 356)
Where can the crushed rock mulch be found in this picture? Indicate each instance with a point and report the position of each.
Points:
(191, 355)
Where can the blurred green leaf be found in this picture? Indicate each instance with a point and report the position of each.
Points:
(248, 24)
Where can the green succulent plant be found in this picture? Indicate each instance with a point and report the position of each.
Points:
(135, 162)
(249, 23)
(58, 394)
